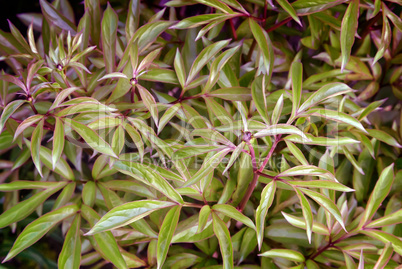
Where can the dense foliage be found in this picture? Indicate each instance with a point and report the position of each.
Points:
(203, 134)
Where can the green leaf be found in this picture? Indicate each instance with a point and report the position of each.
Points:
(267, 197)
(203, 217)
(207, 167)
(380, 192)
(149, 102)
(91, 137)
(291, 255)
(109, 36)
(213, 136)
(225, 243)
(258, 94)
(278, 129)
(70, 255)
(352, 160)
(166, 234)
(61, 96)
(180, 69)
(301, 223)
(322, 141)
(39, 227)
(386, 238)
(385, 256)
(296, 152)
(385, 38)
(62, 168)
(53, 16)
(105, 243)
(276, 113)
(36, 141)
(387, 220)
(64, 196)
(322, 184)
(326, 203)
(27, 185)
(204, 57)
(336, 116)
(235, 155)
(149, 177)
(133, 18)
(27, 123)
(307, 214)
(265, 45)
(384, 137)
(191, 151)
(216, 4)
(305, 7)
(248, 244)
(233, 213)
(348, 30)
(297, 79)
(89, 193)
(199, 20)
(58, 142)
(217, 66)
(127, 213)
(289, 9)
(328, 91)
(8, 111)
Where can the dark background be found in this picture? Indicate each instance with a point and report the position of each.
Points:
(10, 8)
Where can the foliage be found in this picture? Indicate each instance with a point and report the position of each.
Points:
(203, 134)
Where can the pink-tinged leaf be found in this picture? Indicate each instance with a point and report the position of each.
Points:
(55, 17)
(39, 227)
(14, 80)
(149, 102)
(26, 207)
(91, 137)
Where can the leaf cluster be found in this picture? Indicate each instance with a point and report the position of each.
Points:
(203, 134)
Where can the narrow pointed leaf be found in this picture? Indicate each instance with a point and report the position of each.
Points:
(233, 213)
(8, 111)
(35, 145)
(58, 142)
(288, 254)
(278, 129)
(380, 192)
(326, 203)
(38, 228)
(204, 57)
(127, 213)
(348, 30)
(297, 77)
(289, 9)
(267, 197)
(307, 214)
(70, 255)
(325, 92)
(91, 137)
(225, 243)
(109, 35)
(166, 234)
